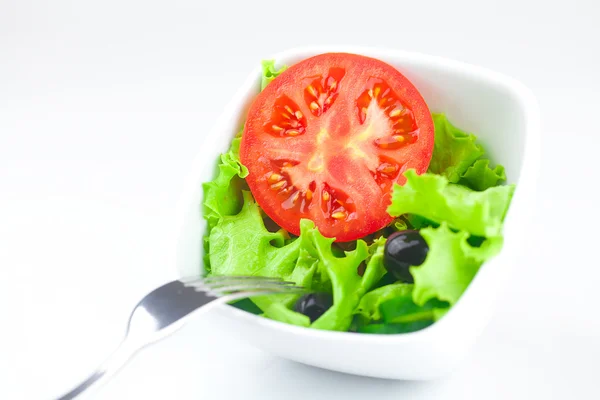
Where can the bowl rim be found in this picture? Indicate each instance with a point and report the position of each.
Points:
(527, 174)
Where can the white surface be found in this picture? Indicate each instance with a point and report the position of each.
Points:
(103, 106)
(506, 116)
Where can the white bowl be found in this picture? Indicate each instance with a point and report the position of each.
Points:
(505, 116)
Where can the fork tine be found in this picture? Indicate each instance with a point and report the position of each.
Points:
(243, 277)
(242, 286)
(258, 293)
(229, 285)
(226, 278)
(245, 282)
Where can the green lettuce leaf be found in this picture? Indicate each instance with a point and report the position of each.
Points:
(278, 307)
(375, 270)
(346, 283)
(369, 306)
(241, 245)
(396, 328)
(276, 310)
(453, 151)
(456, 156)
(434, 198)
(269, 72)
(480, 176)
(223, 195)
(391, 309)
(403, 309)
(450, 265)
(341, 272)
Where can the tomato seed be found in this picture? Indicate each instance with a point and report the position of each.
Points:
(295, 196)
(274, 178)
(279, 185)
(388, 169)
(338, 215)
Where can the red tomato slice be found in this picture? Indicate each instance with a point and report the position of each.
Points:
(328, 138)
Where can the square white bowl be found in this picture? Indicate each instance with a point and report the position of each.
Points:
(505, 116)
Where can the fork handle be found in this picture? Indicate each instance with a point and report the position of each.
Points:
(107, 369)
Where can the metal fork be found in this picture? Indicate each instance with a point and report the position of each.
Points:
(165, 309)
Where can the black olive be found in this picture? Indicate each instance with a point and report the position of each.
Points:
(402, 250)
(314, 305)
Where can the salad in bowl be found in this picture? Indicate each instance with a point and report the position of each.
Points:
(342, 180)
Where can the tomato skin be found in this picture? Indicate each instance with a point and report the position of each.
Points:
(328, 138)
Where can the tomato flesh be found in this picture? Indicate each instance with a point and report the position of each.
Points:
(328, 138)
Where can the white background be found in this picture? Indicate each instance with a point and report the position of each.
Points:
(104, 104)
